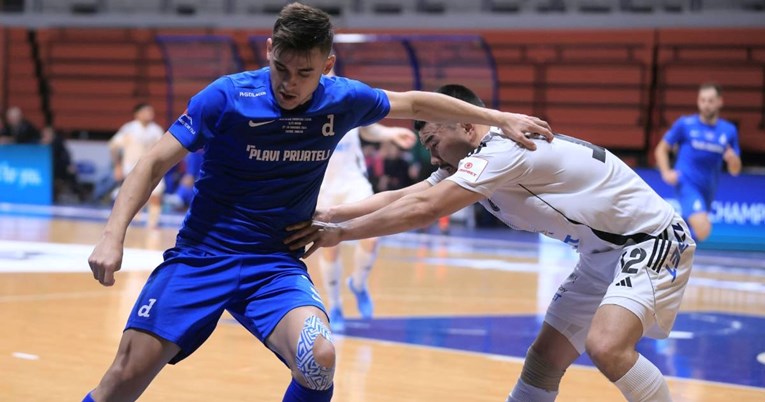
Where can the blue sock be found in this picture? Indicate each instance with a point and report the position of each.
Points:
(88, 398)
(298, 393)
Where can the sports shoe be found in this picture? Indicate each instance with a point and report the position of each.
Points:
(336, 319)
(363, 301)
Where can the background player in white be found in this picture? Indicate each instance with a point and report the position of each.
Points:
(346, 181)
(134, 140)
(635, 251)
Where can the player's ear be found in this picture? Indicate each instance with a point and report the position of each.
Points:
(329, 64)
(269, 49)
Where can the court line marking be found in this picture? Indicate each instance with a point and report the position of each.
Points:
(25, 356)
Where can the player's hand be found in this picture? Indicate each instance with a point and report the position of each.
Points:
(105, 260)
(729, 155)
(118, 174)
(403, 137)
(670, 177)
(518, 127)
(321, 234)
(322, 215)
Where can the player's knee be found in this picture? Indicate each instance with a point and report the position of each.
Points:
(604, 351)
(701, 226)
(540, 373)
(315, 356)
(702, 230)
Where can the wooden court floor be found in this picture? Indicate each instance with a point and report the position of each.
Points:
(60, 329)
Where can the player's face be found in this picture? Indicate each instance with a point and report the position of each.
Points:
(709, 103)
(447, 144)
(145, 114)
(295, 76)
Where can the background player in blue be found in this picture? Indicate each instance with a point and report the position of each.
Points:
(267, 136)
(702, 141)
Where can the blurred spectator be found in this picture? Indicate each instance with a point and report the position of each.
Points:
(397, 172)
(64, 171)
(373, 161)
(129, 144)
(17, 130)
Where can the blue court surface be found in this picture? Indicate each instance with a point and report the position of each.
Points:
(703, 345)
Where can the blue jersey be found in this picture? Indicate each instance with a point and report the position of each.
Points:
(263, 166)
(701, 149)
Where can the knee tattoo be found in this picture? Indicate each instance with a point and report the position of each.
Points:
(317, 376)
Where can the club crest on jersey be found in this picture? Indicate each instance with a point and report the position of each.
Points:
(471, 168)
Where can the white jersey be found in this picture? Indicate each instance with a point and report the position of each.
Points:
(568, 189)
(135, 140)
(347, 161)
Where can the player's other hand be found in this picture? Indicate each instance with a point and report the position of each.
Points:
(519, 127)
(670, 177)
(105, 260)
(729, 155)
(403, 137)
(321, 234)
(119, 175)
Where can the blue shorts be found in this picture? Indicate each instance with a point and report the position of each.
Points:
(185, 296)
(693, 199)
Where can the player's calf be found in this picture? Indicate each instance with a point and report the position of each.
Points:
(539, 380)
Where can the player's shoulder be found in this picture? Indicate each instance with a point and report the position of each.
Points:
(340, 87)
(726, 125)
(495, 143)
(689, 120)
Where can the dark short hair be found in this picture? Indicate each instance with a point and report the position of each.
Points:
(711, 85)
(460, 92)
(140, 106)
(300, 28)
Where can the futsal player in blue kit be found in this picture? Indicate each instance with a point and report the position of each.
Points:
(703, 142)
(267, 135)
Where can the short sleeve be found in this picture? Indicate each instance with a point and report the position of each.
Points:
(198, 124)
(371, 104)
(733, 141)
(119, 137)
(485, 171)
(676, 133)
(438, 176)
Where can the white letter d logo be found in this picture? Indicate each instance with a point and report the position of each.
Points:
(144, 310)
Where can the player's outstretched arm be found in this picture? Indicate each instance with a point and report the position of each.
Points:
(106, 257)
(344, 212)
(435, 107)
(410, 212)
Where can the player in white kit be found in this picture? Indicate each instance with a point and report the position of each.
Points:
(346, 181)
(635, 251)
(132, 141)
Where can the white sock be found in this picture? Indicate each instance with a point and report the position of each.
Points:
(644, 382)
(362, 261)
(331, 273)
(526, 393)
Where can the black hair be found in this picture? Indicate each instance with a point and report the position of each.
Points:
(460, 92)
(300, 28)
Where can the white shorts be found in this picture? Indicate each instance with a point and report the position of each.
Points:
(647, 278)
(338, 192)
